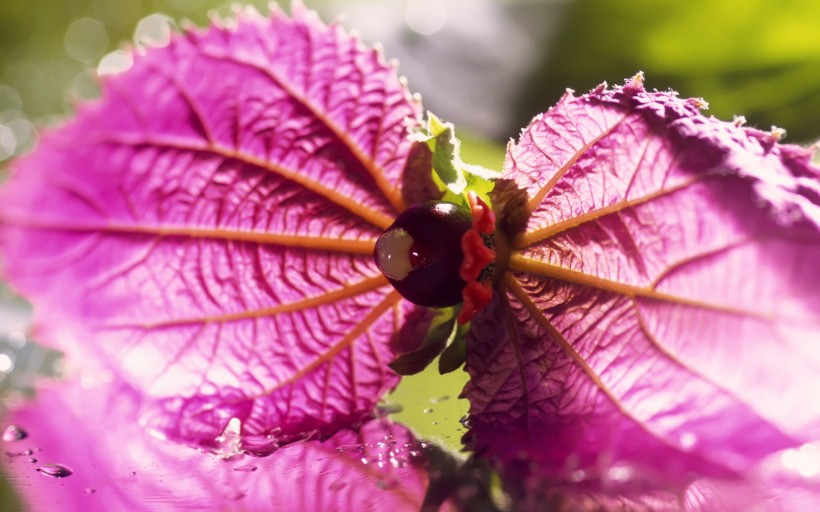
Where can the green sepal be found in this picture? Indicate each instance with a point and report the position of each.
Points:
(441, 331)
(455, 354)
(453, 177)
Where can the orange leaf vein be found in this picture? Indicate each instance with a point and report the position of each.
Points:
(390, 192)
(345, 292)
(521, 263)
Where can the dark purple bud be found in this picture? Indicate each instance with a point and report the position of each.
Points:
(420, 253)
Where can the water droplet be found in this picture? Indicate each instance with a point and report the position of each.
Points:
(466, 421)
(132, 473)
(230, 441)
(440, 399)
(55, 470)
(89, 490)
(247, 468)
(427, 411)
(337, 485)
(14, 433)
(32, 460)
(385, 409)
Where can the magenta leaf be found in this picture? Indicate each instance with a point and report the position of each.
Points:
(116, 465)
(206, 229)
(659, 317)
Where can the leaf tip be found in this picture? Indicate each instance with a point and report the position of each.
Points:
(597, 91)
(699, 104)
(776, 134)
(635, 83)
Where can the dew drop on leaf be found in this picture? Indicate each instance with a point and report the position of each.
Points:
(14, 433)
(55, 470)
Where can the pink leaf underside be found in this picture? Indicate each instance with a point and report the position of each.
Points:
(117, 466)
(206, 229)
(662, 307)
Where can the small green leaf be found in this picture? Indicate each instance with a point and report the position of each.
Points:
(441, 331)
(455, 354)
(453, 177)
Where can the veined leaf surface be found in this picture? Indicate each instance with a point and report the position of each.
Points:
(661, 310)
(206, 229)
(117, 465)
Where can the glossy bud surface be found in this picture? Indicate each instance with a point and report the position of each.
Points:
(420, 253)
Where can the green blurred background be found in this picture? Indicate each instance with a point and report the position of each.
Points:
(487, 65)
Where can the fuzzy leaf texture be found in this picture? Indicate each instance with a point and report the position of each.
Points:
(660, 317)
(206, 229)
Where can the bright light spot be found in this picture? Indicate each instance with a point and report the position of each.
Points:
(620, 473)
(24, 133)
(153, 30)
(804, 460)
(789, 458)
(8, 142)
(425, 16)
(17, 339)
(156, 434)
(6, 363)
(85, 40)
(688, 440)
(115, 62)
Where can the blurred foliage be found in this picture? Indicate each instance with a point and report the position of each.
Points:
(756, 58)
(46, 62)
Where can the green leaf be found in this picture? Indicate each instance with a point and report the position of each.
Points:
(453, 176)
(455, 354)
(441, 331)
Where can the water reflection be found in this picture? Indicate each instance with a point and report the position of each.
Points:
(92, 436)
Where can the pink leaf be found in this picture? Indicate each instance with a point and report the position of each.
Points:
(116, 465)
(206, 230)
(660, 313)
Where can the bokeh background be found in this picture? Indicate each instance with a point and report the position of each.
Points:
(488, 66)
